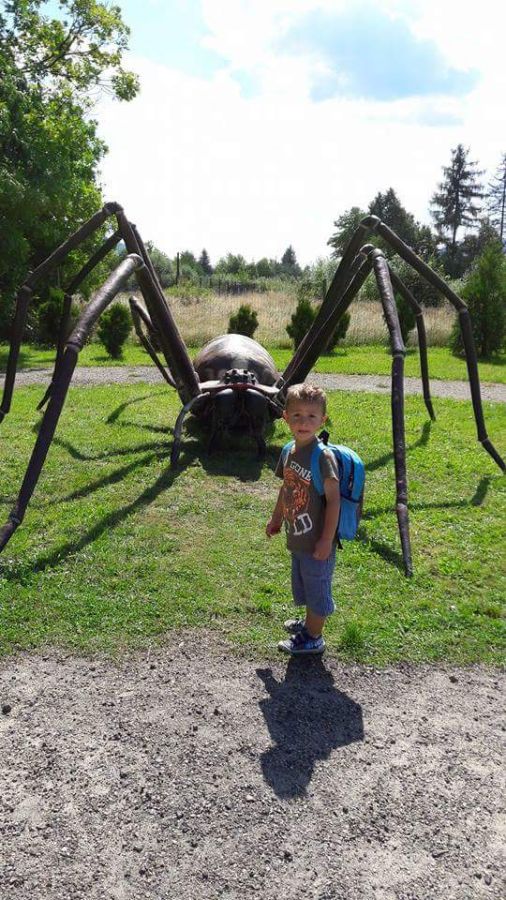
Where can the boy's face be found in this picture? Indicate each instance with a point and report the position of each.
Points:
(304, 420)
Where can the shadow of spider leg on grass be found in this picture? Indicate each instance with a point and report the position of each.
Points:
(107, 523)
(388, 553)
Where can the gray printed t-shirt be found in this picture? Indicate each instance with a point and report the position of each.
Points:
(303, 508)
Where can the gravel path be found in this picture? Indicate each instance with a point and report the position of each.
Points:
(380, 384)
(192, 773)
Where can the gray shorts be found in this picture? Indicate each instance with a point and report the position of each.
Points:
(312, 582)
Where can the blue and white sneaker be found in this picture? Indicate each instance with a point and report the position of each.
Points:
(302, 644)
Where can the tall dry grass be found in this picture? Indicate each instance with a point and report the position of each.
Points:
(368, 327)
(200, 319)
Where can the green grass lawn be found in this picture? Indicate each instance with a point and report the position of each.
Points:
(362, 360)
(116, 550)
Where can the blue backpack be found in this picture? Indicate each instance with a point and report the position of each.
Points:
(351, 484)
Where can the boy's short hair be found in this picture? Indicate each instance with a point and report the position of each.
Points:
(306, 393)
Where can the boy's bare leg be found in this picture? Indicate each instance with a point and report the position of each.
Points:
(314, 623)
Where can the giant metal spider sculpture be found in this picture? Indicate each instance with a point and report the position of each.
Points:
(233, 381)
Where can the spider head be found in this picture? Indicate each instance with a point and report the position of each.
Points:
(239, 403)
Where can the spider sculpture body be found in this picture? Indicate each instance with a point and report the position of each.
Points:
(238, 384)
(233, 382)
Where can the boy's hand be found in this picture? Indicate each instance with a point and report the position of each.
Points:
(272, 527)
(323, 549)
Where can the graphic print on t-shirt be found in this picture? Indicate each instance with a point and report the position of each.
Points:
(297, 482)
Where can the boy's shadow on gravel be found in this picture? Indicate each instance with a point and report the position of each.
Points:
(307, 718)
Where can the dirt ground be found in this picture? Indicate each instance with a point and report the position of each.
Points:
(193, 772)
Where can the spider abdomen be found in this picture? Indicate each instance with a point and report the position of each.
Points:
(234, 351)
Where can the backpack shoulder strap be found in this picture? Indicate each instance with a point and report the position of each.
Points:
(286, 450)
(315, 468)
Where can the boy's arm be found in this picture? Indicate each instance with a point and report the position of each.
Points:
(323, 546)
(276, 520)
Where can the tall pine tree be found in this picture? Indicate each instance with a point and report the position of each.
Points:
(457, 203)
(289, 262)
(204, 263)
(497, 200)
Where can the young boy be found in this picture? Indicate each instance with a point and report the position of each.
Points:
(310, 522)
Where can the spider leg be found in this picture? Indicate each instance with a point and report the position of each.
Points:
(24, 295)
(171, 342)
(422, 338)
(373, 223)
(23, 298)
(88, 267)
(178, 429)
(61, 384)
(340, 294)
(139, 315)
(381, 271)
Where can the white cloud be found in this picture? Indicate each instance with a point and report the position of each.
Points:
(196, 164)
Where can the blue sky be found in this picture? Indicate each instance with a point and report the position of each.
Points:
(372, 56)
(259, 123)
(366, 53)
(171, 33)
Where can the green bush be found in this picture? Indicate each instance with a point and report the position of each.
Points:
(301, 321)
(304, 316)
(47, 319)
(305, 313)
(340, 332)
(485, 294)
(245, 321)
(114, 328)
(407, 318)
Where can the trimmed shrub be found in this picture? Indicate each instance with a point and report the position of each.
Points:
(306, 312)
(340, 332)
(301, 321)
(245, 321)
(114, 328)
(485, 295)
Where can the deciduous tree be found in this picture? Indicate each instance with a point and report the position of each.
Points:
(49, 147)
(232, 264)
(390, 210)
(345, 225)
